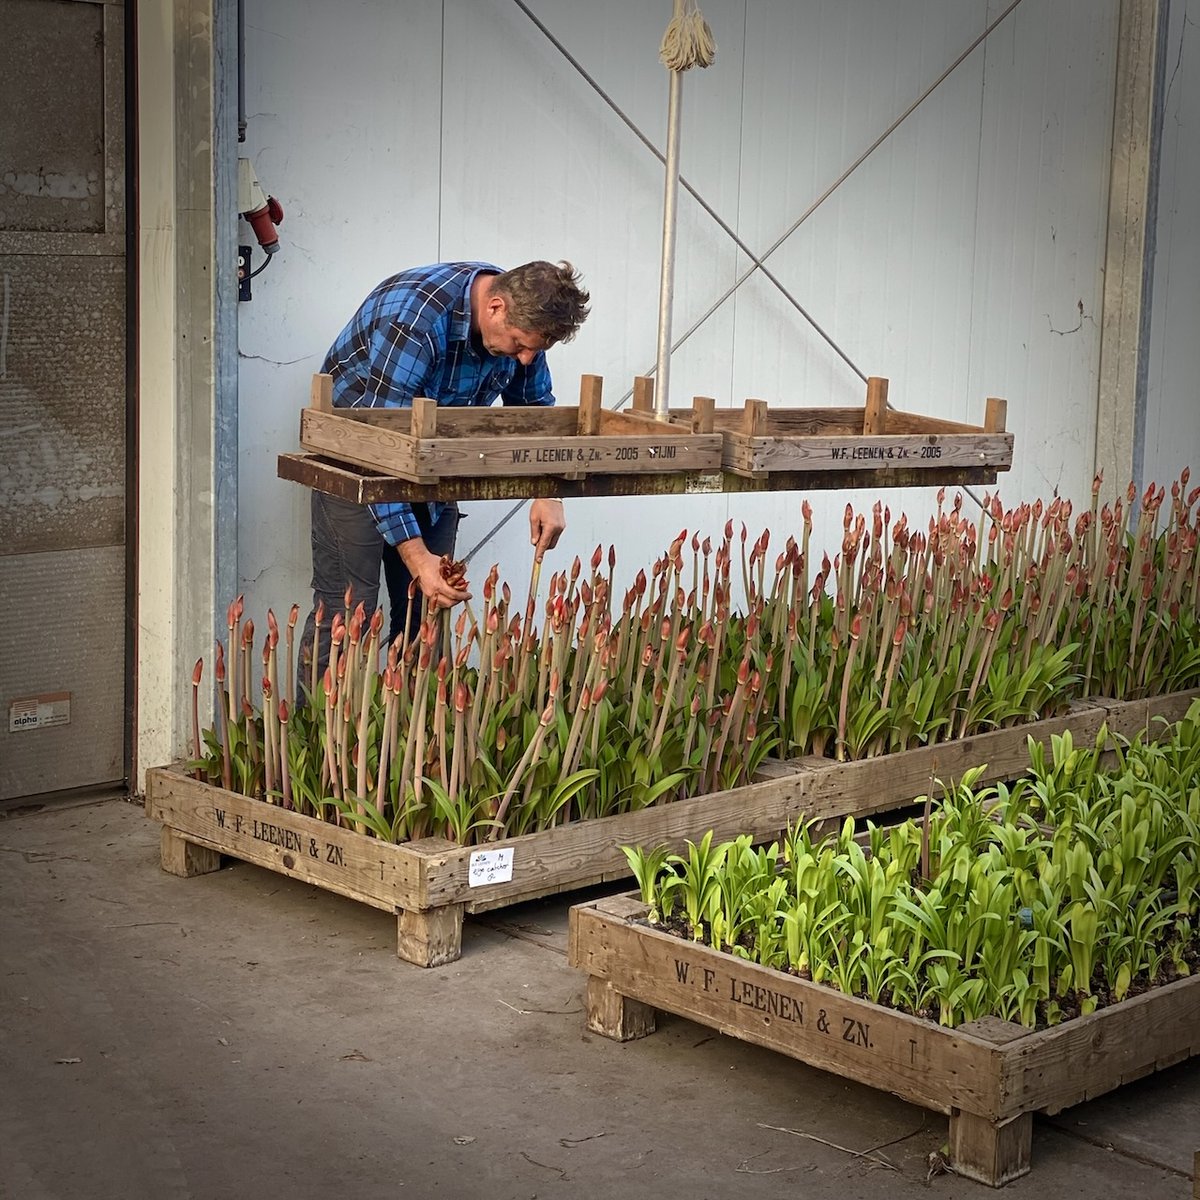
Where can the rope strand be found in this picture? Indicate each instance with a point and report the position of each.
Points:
(688, 41)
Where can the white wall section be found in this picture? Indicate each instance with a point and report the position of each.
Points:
(962, 259)
(1172, 428)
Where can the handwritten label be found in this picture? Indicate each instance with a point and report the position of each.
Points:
(490, 866)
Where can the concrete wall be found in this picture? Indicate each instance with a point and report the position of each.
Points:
(962, 259)
(1172, 414)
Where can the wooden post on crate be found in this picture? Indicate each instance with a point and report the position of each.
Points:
(186, 859)
(590, 392)
(754, 418)
(991, 1152)
(320, 396)
(616, 1016)
(643, 395)
(703, 408)
(995, 415)
(430, 938)
(875, 413)
(424, 418)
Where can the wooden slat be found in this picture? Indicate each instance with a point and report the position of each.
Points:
(905, 422)
(703, 409)
(1091, 1055)
(624, 424)
(356, 442)
(754, 418)
(643, 394)
(591, 389)
(582, 853)
(912, 452)
(918, 1060)
(447, 458)
(364, 486)
(891, 780)
(468, 421)
(995, 415)
(1129, 718)
(424, 418)
(875, 414)
(321, 393)
(339, 860)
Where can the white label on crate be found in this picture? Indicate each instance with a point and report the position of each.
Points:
(490, 866)
(39, 712)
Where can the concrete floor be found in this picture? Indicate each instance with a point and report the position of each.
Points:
(240, 1034)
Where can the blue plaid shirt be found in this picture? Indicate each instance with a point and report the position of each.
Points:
(412, 337)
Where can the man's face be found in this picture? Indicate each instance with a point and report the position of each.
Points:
(505, 340)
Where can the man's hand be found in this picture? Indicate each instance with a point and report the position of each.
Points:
(546, 523)
(426, 568)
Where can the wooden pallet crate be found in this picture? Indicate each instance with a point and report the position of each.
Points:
(374, 455)
(760, 440)
(428, 444)
(430, 884)
(989, 1076)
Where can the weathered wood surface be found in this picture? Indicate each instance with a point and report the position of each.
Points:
(202, 822)
(485, 453)
(916, 452)
(871, 785)
(487, 442)
(339, 860)
(1129, 718)
(988, 1075)
(360, 485)
(850, 1037)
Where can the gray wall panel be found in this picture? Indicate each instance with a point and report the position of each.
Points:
(65, 616)
(62, 402)
(52, 159)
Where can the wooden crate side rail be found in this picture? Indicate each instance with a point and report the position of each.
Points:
(911, 451)
(989, 1075)
(433, 873)
(366, 485)
(339, 860)
(842, 1034)
(586, 852)
(1091, 1055)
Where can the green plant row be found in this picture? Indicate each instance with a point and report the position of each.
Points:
(523, 716)
(1068, 890)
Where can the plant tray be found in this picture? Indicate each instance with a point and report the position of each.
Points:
(759, 440)
(989, 1076)
(427, 444)
(429, 884)
(376, 455)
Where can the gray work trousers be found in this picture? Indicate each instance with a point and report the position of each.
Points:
(347, 550)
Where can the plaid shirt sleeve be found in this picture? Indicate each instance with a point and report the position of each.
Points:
(400, 361)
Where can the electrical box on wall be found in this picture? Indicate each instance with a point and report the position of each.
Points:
(243, 272)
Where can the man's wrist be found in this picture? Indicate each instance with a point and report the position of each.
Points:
(412, 550)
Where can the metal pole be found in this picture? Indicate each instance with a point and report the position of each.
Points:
(666, 290)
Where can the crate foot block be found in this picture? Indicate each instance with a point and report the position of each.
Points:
(430, 937)
(616, 1016)
(991, 1152)
(185, 859)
